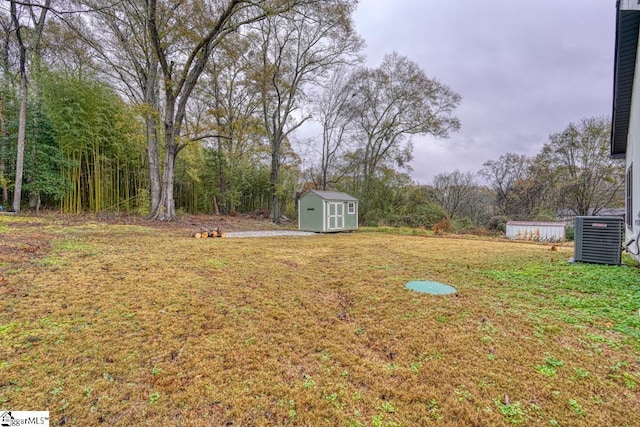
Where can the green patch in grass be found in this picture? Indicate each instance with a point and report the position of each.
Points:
(215, 263)
(391, 368)
(543, 331)
(629, 380)
(578, 293)
(487, 327)
(463, 394)
(386, 407)
(50, 261)
(308, 381)
(359, 330)
(380, 267)
(8, 328)
(72, 245)
(65, 251)
(154, 398)
(550, 367)
(513, 413)
(580, 373)
(442, 319)
(619, 365)
(415, 367)
(549, 371)
(434, 409)
(576, 407)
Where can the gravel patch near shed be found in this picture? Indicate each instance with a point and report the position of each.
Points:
(270, 233)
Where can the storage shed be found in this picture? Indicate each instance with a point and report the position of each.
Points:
(327, 211)
(538, 231)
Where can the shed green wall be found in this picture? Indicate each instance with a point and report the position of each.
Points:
(350, 220)
(310, 213)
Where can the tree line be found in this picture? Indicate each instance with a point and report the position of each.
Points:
(160, 107)
(157, 105)
(572, 175)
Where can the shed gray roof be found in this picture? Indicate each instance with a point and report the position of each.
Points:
(626, 48)
(333, 195)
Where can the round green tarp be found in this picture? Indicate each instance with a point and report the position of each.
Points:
(433, 288)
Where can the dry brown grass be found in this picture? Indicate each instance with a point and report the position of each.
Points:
(113, 324)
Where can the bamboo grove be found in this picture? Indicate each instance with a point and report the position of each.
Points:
(85, 151)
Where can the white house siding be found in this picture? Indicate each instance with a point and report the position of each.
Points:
(537, 231)
(633, 158)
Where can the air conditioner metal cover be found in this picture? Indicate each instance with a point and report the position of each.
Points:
(598, 239)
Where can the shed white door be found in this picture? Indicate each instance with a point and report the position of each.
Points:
(336, 216)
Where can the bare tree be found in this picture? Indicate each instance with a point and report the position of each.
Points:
(124, 48)
(455, 191)
(295, 50)
(36, 16)
(535, 195)
(394, 101)
(334, 113)
(6, 24)
(589, 180)
(502, 176)
(231, 118)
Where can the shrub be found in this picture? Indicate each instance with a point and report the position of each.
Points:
(570, 233)
(461, 225)
(409, 220)
(477, 231)
(498, 223)
(443, 226)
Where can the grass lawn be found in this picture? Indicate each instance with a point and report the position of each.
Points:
(114, 324)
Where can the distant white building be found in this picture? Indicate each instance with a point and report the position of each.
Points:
(625, 128)
(536, 231)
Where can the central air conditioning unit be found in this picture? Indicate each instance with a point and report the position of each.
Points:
(598, 239)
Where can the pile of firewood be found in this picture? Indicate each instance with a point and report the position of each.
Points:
(204, 234)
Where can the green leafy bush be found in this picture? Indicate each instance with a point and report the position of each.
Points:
(498, 223)
(570, 233)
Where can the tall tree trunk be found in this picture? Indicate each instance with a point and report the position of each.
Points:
(22, 118)
(22, 124)
(222, 188)
(151, 99)
(166, 210)
(154, 163)
(221, 172)
(275, 177)
(3, 151)
(325, 164)
(38, 22)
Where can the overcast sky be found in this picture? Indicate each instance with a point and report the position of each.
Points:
(524, 69)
